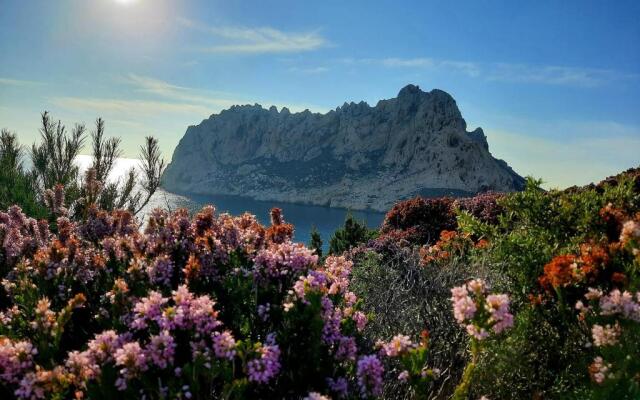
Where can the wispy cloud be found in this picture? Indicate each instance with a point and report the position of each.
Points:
(177, 93)
(157, 97)
(255, 40)
(309, 70)
(508, 72)
(18, 82)
(129, 107)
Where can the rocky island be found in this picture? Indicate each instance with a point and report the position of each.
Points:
(356, 156)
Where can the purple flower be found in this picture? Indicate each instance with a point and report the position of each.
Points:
(265, 368)
(161, 349)
(224, 345)
(370, 372)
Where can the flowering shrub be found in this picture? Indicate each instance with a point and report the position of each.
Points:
(484, 206)
(481, 314)
(202, 307)
(420, 220)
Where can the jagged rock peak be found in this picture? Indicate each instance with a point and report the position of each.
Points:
(357, 156)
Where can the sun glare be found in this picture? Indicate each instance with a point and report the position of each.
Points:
(125, 1)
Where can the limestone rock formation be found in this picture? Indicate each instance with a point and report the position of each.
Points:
(356, 156)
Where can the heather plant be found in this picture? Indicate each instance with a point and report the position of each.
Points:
(420, 220)
(210, 306)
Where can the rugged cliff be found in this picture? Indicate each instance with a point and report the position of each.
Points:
(357, 156)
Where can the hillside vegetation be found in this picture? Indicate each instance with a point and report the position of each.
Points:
(532, 294)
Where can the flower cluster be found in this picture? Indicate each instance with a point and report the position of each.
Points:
(570, 269)
(101, 304)
(480, 312)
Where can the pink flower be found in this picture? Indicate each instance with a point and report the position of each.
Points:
(282, 259)
(103, 346)
(360, 319)
(15, 359)
(630, 230)
(605, 335)
(464, 308)
(498, 307)
(148, 309)
(131, 360)
(399, 345)
(599, 369)
(478, 333)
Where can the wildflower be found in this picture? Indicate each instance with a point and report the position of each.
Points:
(347, 348)
(332, 317)
(399, 345)
(316, 396)
(403, 376)
(464, 307)
(224, 345)
(605, 335)
(478, 333)
(148, 309)
(338, 386)
(81, 365)
(360, 319)
(599, 369)
(622, 303)
(263, 311)
(498, 307)
(161, 349)
(559, 272)
(161, 270)
(103, 346)
(630, 230)
(281, 259)
(370, 372)
(132, 360)
(15, 359)
(265, 368)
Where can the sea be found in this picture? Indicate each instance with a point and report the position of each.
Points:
(303, 217)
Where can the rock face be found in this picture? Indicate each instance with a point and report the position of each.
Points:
(356, 156)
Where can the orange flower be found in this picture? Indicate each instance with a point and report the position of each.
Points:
(618, 277)
(559, 272)
(192, 268)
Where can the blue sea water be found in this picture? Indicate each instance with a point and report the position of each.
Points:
(303, 217)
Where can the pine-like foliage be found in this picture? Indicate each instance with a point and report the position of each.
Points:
(316, 241)
(353, 233)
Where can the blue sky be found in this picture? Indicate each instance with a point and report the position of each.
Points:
(555, 85)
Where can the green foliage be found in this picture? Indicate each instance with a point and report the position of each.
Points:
(16, 185)
(352, 234)
(315, 242)
(54, 165)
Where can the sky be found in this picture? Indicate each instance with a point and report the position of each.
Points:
(555, 85)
